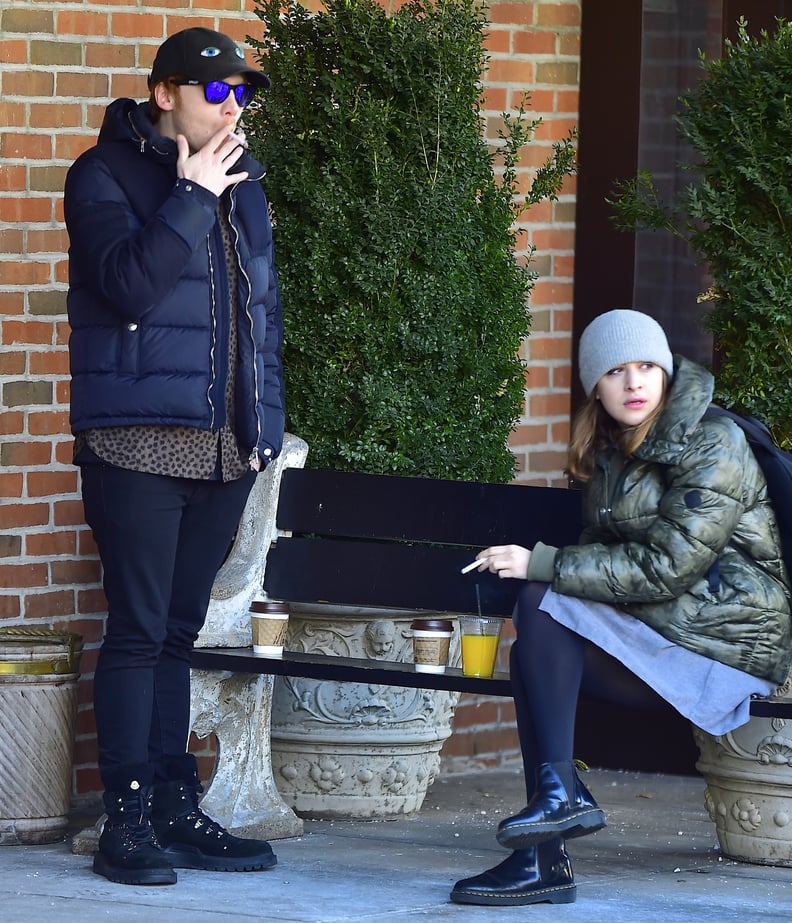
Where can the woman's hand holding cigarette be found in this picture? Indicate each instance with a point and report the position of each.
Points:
(503, 560)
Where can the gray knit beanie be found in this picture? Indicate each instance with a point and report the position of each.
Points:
(618, 337)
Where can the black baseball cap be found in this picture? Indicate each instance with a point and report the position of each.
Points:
(203, 55)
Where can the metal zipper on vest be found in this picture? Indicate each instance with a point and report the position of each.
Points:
(212, 351)
(253, 457)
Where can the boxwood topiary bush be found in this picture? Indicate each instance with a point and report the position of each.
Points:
(404, 302)
(737, 215)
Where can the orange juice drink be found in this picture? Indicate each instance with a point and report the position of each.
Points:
(478, 654)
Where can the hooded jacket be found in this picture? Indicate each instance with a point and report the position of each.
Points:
(148, 296)
(683, 537)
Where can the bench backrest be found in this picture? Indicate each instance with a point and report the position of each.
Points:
(383, 541)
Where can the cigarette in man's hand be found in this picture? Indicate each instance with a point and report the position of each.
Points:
(469, 567)
(241, 140)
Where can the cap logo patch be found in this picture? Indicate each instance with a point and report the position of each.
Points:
(210, 52)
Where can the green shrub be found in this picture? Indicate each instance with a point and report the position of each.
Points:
(404, 302)
(737, 215)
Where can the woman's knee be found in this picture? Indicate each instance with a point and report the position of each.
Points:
(529, 599)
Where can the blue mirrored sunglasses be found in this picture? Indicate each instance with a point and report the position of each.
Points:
(216, 91)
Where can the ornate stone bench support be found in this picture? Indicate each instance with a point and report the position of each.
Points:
(237, 707)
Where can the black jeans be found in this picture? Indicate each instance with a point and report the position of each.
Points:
(161, 541)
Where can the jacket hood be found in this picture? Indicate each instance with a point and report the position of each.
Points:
(689, 396)
(129, 120)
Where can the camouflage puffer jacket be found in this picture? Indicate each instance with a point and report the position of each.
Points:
(684, 538)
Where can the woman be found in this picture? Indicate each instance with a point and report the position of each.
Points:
(676, 591)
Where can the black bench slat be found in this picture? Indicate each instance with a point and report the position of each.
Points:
(347, 669)
(423, 509)
(765, 708)
(383, 575)
(385, 673)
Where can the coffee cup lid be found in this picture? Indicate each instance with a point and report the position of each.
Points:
(268, 607)
(432, 625)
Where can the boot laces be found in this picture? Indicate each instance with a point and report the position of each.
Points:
(134, 822)
(136, 835)
(202, 822)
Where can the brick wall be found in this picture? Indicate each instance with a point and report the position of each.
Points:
(61, 63)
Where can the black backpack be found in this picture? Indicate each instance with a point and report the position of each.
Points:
(776, 465)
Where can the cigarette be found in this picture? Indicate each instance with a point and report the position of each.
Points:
(469, 567)
(240, 140)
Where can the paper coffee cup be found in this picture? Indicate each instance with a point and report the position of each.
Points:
(431, 641)
(268, 623)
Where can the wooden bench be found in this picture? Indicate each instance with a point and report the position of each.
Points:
(398, 543)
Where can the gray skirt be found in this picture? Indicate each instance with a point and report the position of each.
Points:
(715, 697)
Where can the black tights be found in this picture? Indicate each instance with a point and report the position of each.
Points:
(550, 665)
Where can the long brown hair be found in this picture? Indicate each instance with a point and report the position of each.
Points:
(593, 428)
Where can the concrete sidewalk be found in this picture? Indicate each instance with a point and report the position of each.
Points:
(656, 862)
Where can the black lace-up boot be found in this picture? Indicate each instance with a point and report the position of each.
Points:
(189, 838)
(128, 850)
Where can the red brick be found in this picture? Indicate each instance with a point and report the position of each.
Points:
(552, 292)
(25, 210)
(23, 575)
(12, 364)
(516, 13)
(55, 115)
(49, 605)
(12, 178)
(68, 513)
(549, 405)
(124, 24)
(10, 606)
(79, 571)
(82, 23)
(12, 303)
(458, 745)
(10, 487)
(47, 423)
(12, 114)
(521, 73)
(534, 42)
(24, 515)
(558, 14)
(70, 146)
(13, 51)
(51, 483)
(89, 629)
(22, 146)
(554, 239)
(547, 461)
(498, 41)
(64, 452)
(561, 432)
(484, 712)
(92, 600)
(105, 54)
(548, 347)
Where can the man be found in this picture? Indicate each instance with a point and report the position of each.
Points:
(176, 403)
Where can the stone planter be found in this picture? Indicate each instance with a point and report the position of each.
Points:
(351, 749)
(748, 774)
